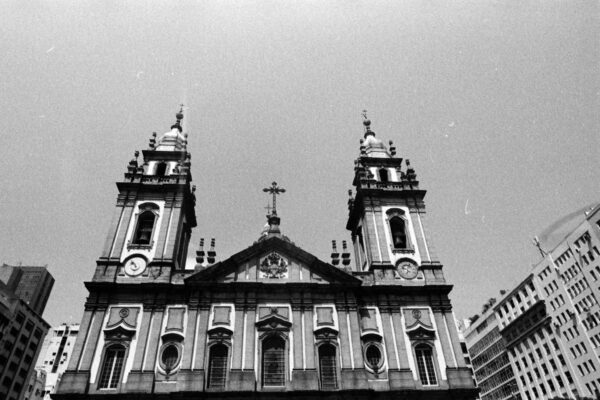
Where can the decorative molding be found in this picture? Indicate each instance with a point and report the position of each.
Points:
(326, 334)
(273, 266)
(273, 322)
(137, 246)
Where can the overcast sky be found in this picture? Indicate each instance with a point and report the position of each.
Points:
(495, 103)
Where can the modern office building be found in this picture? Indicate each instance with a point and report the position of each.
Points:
(55, 355)
(31, 284)
(490, 359)
(271, 321)
(550, 322)
(37, 383)
(21, 341)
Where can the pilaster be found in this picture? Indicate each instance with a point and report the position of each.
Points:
(92, 342)
(153, 340)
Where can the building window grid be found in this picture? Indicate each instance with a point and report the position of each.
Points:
(217, 371)
(491, 368)
(499, 378)
(502, 392)
(485, 342)
(273, 360)
(425, 365)
(488, 355)
(539, 360)
(112, 366)
(556, 355)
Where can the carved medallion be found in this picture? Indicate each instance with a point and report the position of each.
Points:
(273, 266)
(416, 314)
(124, 313)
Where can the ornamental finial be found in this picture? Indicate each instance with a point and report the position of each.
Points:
(179, 117)
(367, 121)
(367, 124)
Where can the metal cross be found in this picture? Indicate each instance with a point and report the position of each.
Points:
(364, 114)
(274, 190)
(268, 208)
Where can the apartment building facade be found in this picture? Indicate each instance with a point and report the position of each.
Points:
(548, 326)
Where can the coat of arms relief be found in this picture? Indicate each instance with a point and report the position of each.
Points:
(273, 266)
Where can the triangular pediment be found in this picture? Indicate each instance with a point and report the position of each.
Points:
(273, 261)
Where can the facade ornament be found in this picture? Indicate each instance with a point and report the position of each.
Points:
(416, 314)
(274, 266)
(124, 313)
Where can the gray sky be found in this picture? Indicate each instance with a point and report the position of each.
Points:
(496, 104)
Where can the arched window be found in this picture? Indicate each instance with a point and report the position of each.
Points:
(161, 169)
(273, 361)
(398, 228)
(114, 358)
(424, 357)
(217, 366)
(143, 230)
(383, 175)
(328, 366)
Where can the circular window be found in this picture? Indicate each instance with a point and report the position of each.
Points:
(373, 356)
(170, 357)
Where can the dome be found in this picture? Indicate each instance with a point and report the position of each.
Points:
(375, 147)
(172, 140)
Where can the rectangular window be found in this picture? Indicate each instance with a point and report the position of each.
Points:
(217, 371)
(273, 365)
(327, 366)
(111, 370)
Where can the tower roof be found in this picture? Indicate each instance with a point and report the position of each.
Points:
(373, 147)
(173, 140)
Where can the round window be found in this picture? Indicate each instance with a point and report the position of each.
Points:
(373, 356)
(170, 357)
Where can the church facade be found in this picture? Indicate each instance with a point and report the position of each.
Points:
(272, 320)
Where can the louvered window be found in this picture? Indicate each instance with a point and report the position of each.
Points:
(425, 364)
(383, 175)
(217, 369)
(327, 366)
(161, 169)
(145, 225)
(398, 228)
(112, 366)
(273, 362)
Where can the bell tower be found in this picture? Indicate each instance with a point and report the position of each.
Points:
(152, 224)
(387, 214)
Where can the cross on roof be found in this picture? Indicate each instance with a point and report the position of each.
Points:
(274, 190)
(268, 208)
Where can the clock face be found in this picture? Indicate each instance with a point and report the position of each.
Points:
(407, 270)
(135, 266)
